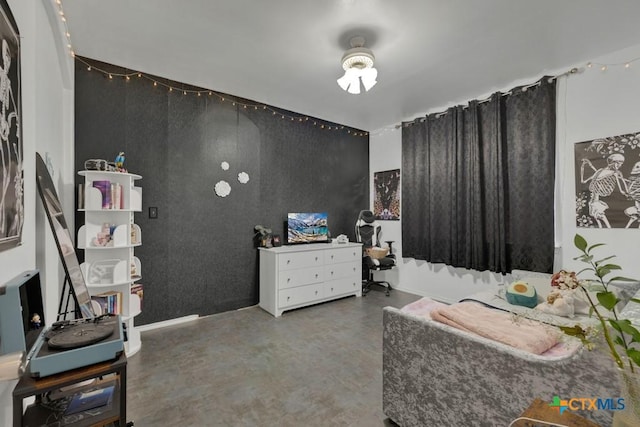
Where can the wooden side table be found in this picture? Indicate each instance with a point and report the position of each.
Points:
(38, 414)
(540, 410)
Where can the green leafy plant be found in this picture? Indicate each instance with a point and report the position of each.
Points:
(619, 334)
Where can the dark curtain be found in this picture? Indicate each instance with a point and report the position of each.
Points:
(478, 182)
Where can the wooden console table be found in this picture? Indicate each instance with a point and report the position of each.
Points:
(39, 414)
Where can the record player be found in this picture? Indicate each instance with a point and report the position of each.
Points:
(66, 345)
(73, 344)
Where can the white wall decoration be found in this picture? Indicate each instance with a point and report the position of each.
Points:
(243, 177)
(222, 188)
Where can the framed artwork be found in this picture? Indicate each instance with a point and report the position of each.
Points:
(11, 173)
(608, 182)
(386, 202)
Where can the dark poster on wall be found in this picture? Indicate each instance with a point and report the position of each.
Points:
(11, 176)
(608, 182)
(386, 203)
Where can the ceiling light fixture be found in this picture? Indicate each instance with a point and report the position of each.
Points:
(357, 63)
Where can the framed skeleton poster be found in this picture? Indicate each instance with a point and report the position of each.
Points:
(11, 175)
(608, 182)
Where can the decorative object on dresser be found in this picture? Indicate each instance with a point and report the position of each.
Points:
(109, 237)
(262, 236)
(300, 275)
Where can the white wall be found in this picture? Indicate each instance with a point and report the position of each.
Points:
(47, 123)
(590, 104)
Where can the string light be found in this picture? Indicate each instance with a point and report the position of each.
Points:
(223, 99)
(604, 67)
(156, 82)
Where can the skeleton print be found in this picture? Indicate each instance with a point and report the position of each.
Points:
(607, 186)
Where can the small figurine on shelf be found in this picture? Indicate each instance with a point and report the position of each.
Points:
(36, 321)
(263, 235)
(119, 162)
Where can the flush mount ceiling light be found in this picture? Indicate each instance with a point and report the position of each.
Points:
(357, 63)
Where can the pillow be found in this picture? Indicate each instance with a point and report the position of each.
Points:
(623, 290)
(522, 293)
(541, 283)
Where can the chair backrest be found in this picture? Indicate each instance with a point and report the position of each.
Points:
(367, 229)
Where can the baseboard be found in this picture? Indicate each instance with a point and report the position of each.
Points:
(165, 323)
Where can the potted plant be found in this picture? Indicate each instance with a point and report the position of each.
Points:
(621, 336)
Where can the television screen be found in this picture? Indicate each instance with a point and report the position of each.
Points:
(307, 228)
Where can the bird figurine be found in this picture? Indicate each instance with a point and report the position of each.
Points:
(120, 162)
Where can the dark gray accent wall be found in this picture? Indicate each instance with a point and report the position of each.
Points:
(198, 256)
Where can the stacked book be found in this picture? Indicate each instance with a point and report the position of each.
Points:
(107, 302)
(111, 194)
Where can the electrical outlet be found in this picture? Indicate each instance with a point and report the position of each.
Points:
(153, 212)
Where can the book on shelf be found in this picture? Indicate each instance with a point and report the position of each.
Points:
(112, 197)
(138, 289)
(80, 196)
(107, 302)
(90, 399)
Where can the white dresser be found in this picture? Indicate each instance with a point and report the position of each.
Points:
(299, 275)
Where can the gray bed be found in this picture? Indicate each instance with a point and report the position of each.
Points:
(436, 375)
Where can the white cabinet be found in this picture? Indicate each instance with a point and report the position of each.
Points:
(300, 275)
(109, 237)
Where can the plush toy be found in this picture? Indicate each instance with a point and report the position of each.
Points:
(559, 302)
(522, 293)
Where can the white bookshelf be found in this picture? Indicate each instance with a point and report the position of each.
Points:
(112, 266)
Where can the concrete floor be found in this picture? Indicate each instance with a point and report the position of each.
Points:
(316, 366)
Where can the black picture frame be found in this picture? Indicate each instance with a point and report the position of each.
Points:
(386, 201)
(11, 163)
(276, 240)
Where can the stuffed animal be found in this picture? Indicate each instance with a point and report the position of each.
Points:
(559, 302)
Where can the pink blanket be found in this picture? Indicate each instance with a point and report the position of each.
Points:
(501, 326)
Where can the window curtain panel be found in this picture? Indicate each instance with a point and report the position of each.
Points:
(478, 183)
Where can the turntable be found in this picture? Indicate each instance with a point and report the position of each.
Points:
(72, 344)
(66, 345)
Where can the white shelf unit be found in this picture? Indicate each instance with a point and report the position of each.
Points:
(113, 267)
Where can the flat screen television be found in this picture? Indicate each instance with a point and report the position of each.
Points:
(307, 228)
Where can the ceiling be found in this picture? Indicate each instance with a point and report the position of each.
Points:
(430, 54)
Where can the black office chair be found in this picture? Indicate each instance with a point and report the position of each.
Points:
(368, 233)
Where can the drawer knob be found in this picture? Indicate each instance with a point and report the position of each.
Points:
(332, 273)
(288, 261)
(331, 256)
(316, 275)
(288, 298)
(316, 258)
(316, 292)
(288, 279)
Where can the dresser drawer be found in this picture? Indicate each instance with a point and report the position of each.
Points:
(339, 271)
(300, 295)
(300, 260)
(338, 255)
(303, 276)
(342, 286)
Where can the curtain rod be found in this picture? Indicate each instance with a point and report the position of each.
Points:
(510, 92)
